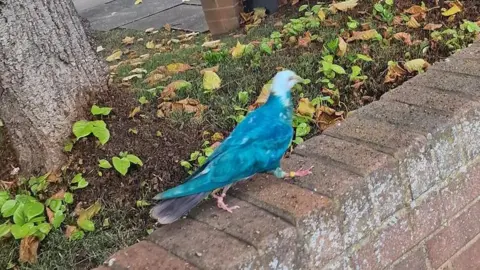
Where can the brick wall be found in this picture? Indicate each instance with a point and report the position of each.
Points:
(395, 186)
(222, 16)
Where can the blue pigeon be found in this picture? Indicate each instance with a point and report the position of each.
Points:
(256, 145)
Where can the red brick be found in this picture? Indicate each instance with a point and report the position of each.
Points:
(208, 4)
(416, 260)
(364, 257)
(469, 259)
(146, 255)
(227, 3)
(457, 234)
(219, 14)
(461, 191)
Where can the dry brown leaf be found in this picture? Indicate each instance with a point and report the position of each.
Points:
(214, 69)
(363, 35)
(326, 117)
(69, 230)
(28, 250)
(413, 23)
(305, 107)
(343, 6)
(397, 20)
(50, 215)
(59, 195)
(188, 105)
(167, 27)
(134, 112)
(405, 37)
(305, 40)
(415, 9)
(128, 40)
(342, 47)
(394, 72)
(262, 98)
(432, 26)
(169, 90)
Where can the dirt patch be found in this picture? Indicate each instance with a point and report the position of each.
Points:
(160, 144)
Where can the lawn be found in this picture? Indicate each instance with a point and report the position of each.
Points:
(174, 95)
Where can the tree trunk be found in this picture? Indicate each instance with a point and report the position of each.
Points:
(47, 71)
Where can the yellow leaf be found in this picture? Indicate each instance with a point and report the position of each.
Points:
(363, 35)
(150, 45)
(345, 5)
(342, 47)
(262, 98)
(128, 40)
(28, 250)
(321, 15)
(305, 107)
(134, 112)
(211, 44)
(432, 26)
(238, 50)
(416, 65)
(217, 136)
(138, 2)
(128, 78)
(116, 55)
(412, 23)
(177, 68)
(456, 8)
(211, 81)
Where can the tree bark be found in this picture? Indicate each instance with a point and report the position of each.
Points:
(47, 71)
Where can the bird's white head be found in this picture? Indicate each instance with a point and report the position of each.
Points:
(282, 84)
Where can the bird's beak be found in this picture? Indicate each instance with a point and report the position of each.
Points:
(298, 79)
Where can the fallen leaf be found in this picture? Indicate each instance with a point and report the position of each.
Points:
(415, 9)
(90, 212)
(397, 20)
(217, 136)
(134, 112)
(343, 6)
(432, 26)
(342, 47)
(188, 105)
(149, 30)
(363, 35)
(454, 9)
(153, 78)
(211, 80)
(326, 117)
(416, 65)
(59, 195)
(413, 23)
(128, 78)
(128, 40)
(321, 15)
(405, 37)
(138, 70)
(238, 50)
(138, 2)
(50, 215)
(168, 27)
(394, 72)
(100, 48)
(169, 90)
(211, 44)
(214, 69)
(150, 45)
(69, 230)
(28, 249)
(305, 107)
(177, 68)
(305, 40)
(114, 56)
(262, 98)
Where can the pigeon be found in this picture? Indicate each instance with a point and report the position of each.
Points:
(256, 145)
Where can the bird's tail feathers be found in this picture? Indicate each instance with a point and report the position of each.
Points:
(170, 210)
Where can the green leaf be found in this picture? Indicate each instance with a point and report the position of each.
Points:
(38, 219)
(303, 7)
(208, 151)
(33, 209)
(5, 229)
(68, 197)
(143, 100)
(142, 203)
(82, 128)
(44, 228)
(86, 225)
(378, 7)
(100, 110)
(364, 57)
(58, 218)
(8, 208)
(302, 129)
(102, 133)
(134, 159)
(18, 216)
(77, 178)
(103, 163)
(55, 205)
(21, 231)
(338, 69)
(201, 160)
(389, 2)
(243, 97)
(68, 146)
(298, 140)
(194, 155)
(185, 164)
(121, 165)
(4, 196)
(82, 183)
(266, 48)
(77, 235)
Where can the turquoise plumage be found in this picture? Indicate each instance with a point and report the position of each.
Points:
(256, 145)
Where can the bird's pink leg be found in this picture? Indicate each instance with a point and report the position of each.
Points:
(300, 172)
(221, 204)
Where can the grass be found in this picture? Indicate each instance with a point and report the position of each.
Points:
(249, 74)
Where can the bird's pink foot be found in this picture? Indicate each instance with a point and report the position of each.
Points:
(300, 172)
(222, 205)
